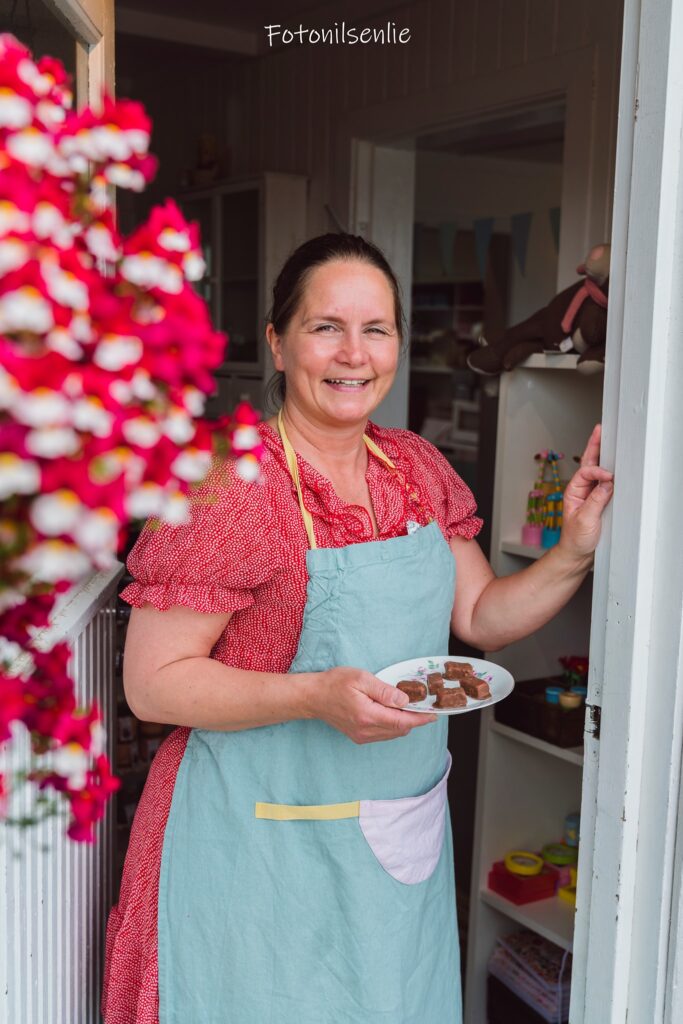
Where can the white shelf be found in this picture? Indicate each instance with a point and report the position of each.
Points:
(551, 918)
(513, 547)
(550, 361)
(574, 755)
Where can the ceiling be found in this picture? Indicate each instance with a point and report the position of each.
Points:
(252, 16)
(536, 134)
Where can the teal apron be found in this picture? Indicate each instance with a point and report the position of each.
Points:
(306, 879)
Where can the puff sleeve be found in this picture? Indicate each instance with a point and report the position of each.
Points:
(215, 561)
(452, 500)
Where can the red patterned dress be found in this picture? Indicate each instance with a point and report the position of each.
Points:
(244, 551)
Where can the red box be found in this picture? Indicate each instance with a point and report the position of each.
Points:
(522, 888)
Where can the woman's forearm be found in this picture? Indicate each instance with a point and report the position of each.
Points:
(204, 693)
(512, 607)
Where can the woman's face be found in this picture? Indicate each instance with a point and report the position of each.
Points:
(340, 351)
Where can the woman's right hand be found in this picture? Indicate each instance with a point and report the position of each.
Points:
(361, 706)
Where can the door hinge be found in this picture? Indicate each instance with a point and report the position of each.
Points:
(593, 716)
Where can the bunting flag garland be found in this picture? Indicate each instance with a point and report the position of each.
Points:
(483, 229)
(436, 244)
(520, 224)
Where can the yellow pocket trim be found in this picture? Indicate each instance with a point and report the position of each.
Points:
(307, 812)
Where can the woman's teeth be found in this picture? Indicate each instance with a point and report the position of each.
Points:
(347, 383)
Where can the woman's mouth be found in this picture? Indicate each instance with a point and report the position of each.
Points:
(347, 383)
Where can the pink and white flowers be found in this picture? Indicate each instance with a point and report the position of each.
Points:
(106, 359)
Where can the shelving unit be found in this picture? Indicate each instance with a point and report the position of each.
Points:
(552, 919)
(526, 786)
(574, 755)
(248, 227)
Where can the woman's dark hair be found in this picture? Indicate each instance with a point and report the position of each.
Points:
(291, 282)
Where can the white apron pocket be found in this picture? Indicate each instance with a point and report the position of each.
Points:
(406, 835)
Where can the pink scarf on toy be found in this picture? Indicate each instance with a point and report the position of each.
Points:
(588, 288)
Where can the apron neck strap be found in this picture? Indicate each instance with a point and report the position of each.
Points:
(293, 467)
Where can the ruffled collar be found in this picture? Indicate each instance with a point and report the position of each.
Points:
(352, 522)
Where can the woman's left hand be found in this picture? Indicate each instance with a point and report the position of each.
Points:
(585, 498)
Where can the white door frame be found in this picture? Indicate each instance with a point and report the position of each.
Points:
(628, 947)
(381, 208)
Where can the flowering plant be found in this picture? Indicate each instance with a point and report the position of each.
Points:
(106, 353)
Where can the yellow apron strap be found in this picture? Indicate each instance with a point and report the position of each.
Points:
(307, 812)
(378, 452)
(290, 455)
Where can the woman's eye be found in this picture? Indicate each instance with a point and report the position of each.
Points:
(325, 327)
(377, 330)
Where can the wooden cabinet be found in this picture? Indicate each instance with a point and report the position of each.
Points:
(248, 227)
(526, 786)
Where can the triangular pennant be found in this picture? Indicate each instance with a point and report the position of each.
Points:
(554, 215)
(447, 248)
(483, 229)
(520, 224)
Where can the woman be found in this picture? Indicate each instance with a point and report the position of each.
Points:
(291, 858)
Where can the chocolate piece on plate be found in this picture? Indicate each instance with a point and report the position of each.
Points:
(414, 688)
(457, 669)
(435, 682)
(477, 688)
(450, 697)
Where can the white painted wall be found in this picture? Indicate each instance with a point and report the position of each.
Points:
(460, 189)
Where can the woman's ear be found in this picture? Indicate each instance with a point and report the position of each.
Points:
(275, 345)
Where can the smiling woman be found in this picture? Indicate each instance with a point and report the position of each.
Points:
(262, 625)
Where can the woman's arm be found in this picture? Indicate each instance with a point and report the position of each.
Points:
(490, 613)
(170, 677)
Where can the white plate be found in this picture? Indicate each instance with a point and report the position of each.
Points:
(501, 683)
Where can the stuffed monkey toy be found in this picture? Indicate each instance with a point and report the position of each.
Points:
(576, 319)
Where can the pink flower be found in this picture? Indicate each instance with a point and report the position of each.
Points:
(103, 378)
(134, 174)
(18, 623)
(115, 135)
(11, 704)
(167, 233)
(244, 415)
(80, 727)
(4, 795)
(87, 801)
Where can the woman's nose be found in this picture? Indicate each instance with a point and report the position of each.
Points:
(353, 349)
